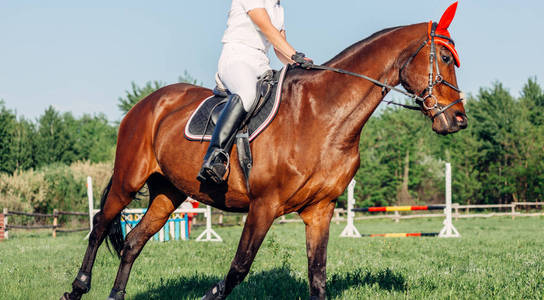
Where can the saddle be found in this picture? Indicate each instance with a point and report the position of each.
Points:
(202, 122)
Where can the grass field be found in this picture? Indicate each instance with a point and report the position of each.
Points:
(495, 258)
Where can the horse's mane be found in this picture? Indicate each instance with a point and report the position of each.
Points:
(356, 47)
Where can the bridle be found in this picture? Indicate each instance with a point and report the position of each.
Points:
(434, 80)
(438, 79)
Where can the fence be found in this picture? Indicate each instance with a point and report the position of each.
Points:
(511, 207)
(340, 214)
(55, 227)
(207, 235)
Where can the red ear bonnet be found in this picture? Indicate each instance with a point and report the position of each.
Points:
(442, 29)
(447, 17)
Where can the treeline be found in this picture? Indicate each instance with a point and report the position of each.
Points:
(44, 163)
(57, 137)
(499, 158)
(53, 138)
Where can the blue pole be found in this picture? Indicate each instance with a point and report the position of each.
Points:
(186, 219)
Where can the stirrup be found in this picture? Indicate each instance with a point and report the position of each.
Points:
(214, 170)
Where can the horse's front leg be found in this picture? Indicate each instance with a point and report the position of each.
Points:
(117, 199)
(317, 219)
(259, 219)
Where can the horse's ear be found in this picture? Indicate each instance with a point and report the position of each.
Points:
(447, 17)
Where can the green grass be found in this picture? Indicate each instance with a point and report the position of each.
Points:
(495, 258)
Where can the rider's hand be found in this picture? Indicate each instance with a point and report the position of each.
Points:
(301, 60)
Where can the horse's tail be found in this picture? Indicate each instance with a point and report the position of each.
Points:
(115, 234)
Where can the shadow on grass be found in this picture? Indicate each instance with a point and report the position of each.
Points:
(192, 287)
(385, 279)
(278, 283)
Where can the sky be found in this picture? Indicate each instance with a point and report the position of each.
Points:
(81, 56)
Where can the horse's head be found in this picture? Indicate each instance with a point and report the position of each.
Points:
(430, 73)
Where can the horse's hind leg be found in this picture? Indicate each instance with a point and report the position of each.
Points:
(165, 198)
(317, 219)
(259, 219)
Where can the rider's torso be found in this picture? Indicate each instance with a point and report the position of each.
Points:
(240, 28)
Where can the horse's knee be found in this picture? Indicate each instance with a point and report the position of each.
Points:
(242, 264)
(132, 247)
(241, 268)
(236, 275)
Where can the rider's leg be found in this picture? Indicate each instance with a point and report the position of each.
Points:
(240, 78)
(216, 160)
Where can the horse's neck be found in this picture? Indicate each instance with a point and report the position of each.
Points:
(355, 99)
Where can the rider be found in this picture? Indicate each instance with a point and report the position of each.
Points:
(252, 27)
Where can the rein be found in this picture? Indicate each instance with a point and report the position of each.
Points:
(421, 98)
(376, 82)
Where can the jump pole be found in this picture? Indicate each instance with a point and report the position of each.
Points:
(90, 200)
(350, 230)
(448, 230)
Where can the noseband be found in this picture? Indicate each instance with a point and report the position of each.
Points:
(427, 92)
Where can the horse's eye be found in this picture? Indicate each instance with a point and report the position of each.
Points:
(446, 59)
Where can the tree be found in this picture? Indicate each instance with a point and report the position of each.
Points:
(53, 142)
(23, 143)
(94, 138)
(500, 125)
(532, 98)
(188, 78)
(397, 165)
(530, 170)
(136, 94)
(7, 129)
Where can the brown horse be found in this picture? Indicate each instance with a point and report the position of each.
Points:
(303, 161)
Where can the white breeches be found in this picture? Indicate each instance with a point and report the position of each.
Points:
(239, 67)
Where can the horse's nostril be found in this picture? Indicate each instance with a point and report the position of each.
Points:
(461, 120)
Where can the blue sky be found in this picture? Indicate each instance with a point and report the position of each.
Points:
(80, 56)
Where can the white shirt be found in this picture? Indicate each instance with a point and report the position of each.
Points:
(240, 28)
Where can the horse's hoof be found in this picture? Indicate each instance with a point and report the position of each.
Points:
(217, 292)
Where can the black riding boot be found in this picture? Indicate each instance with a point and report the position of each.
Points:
(216, 160)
